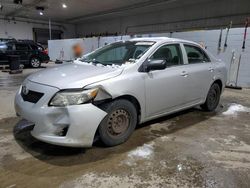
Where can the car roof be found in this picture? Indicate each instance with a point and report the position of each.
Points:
(162, 39)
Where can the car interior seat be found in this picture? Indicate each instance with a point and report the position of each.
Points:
(175, 60)
(163, 53)
(194, 57)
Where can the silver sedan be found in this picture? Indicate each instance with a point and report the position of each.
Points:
(108, 92)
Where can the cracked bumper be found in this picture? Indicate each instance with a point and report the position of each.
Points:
(81, 121)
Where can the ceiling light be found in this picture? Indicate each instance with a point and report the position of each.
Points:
(64, 5)
(40, 9)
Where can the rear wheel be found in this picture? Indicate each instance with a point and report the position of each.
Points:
(119, 123)
(35, 62)
(213, 98)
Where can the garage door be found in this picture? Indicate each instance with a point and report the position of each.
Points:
(42, 35)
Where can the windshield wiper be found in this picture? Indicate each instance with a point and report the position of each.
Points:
(91, 61)
(95, 62)
(132, 60)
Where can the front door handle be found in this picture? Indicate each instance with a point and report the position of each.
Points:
(211, 69)
(184, 73)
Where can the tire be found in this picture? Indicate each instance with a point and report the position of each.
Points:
(213, 98)
(119, 123)
(35, 62)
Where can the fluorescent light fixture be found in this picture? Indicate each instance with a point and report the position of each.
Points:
(41, 13)
(64, 5)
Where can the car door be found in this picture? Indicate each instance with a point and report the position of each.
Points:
(200, 72)
(23, 51)
(165, 88)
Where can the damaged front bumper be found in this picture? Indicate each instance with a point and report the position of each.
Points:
(73, 126)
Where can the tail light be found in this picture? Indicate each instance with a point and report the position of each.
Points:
(46, 51)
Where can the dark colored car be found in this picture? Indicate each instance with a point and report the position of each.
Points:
(30, 53)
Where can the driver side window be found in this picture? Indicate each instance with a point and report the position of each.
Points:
(171, 53)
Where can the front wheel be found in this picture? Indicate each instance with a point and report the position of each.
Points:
(213, 98)
(35, 62)
(119, 123)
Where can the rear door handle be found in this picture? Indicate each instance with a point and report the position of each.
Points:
(211, 69)
(184, 73)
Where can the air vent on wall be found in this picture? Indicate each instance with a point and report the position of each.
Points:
(40, 8)
(18, 1)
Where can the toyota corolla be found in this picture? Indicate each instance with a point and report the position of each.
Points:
(108, 92)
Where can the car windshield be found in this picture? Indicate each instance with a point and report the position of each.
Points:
(118, 53)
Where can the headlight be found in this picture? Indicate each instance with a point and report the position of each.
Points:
(65, 98)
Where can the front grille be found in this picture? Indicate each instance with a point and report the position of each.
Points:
(31, 96)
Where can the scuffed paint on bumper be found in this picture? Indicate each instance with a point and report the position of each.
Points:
(79, 121)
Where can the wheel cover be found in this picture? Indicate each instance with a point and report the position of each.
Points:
(212, 98)
(118, 122)
(35, 62)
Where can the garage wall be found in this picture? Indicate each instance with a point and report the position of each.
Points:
(23, 28)
(200, 15)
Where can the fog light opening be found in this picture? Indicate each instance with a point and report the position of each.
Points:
(62, 130)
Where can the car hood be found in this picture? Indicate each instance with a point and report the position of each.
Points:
(75, 75)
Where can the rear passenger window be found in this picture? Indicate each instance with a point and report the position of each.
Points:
(195, 54)
(171, 53)
(22, 47)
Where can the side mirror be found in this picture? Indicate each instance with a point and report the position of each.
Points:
(155, 65)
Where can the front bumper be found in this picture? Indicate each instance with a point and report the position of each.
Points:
(79, 121)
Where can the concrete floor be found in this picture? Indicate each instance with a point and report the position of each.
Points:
(187, 149)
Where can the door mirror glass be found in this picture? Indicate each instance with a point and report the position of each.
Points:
(155, 65)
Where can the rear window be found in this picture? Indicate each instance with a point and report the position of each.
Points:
(39, 47)
(33, 47)
(36, 47)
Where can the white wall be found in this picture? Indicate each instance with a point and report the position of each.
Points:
(23, 29)
(63, 49)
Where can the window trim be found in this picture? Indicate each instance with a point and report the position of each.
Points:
(196, 46)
